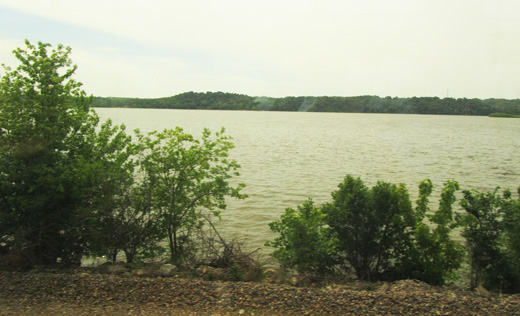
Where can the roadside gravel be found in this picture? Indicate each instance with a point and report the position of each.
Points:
(102, 294)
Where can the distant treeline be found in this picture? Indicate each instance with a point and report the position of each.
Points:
(359, 104)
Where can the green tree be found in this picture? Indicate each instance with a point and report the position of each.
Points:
(512, 240)
(490, 227)
(187, 176)
(124, 218)
(304, 243)
(69, 187)
(373, 226)
(48, 159)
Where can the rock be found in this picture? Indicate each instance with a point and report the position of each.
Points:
(482, 290)
(216, 274)
(167, 270)
(201, 270)
(383, 288)
(273, 276)
(117, 269)
(63, 293)
(142, 272)
(302, 280)
(210, 273)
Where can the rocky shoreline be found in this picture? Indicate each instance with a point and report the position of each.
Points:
(86, 293)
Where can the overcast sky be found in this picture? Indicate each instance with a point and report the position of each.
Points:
(158, 48)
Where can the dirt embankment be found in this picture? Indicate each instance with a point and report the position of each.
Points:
(102, 294)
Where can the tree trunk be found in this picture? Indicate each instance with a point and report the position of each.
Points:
(172, 243)
(114, 255)
(130, 255)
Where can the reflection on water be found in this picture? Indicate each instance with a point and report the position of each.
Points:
(289, 156)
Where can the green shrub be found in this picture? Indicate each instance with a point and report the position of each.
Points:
(303, 243)
(491, 227)
(434, 256)
(374, 232)
(234, 273)
(373, 226)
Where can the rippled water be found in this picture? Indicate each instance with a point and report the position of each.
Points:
(289, 156)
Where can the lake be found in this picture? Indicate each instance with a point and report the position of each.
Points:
(287, 157)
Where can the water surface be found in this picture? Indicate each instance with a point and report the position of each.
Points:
(289, 156)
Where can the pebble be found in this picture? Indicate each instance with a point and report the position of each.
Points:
(102, 294)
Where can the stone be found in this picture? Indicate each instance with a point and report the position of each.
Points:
(117, 269)
(167, 270)
(383, 288)
(482, 290)
(273, 276)
(210, 273)
(142, 272)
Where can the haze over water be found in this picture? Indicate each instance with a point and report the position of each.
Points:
(289, 156)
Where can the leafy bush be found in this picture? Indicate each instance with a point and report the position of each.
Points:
(373, 231)
(492, 232)
(434, 256)
(187, 176)
(373, 227)
(58, 167)
(303, 243)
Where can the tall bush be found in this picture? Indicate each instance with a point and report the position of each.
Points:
(491, 228)
(187, 176)
(54, 165)
(373, 227)
(434, 256)
(303, 243)
(373, 232)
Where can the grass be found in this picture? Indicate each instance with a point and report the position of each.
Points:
(508, 115)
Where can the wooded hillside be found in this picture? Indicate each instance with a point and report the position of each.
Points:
(358, 104)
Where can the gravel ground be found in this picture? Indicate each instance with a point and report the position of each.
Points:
(102, 294)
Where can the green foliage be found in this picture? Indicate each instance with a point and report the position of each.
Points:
(491, 229)
(508, 115)
(358, 104)
(187, 100)
(46, 137)
(129, 222)
(373, 226)
(186, 176)
(372, 231)
(434, 257)
(303, 243)
(234, 273)
(105, 169)
(70, 188)
(512, 240)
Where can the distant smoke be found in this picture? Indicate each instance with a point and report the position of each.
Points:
(307, 103)
(264, 103)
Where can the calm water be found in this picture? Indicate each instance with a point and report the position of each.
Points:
(287, 157)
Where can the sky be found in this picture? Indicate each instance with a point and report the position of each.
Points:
(278, 48)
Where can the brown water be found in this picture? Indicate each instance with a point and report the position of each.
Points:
(289, 156)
